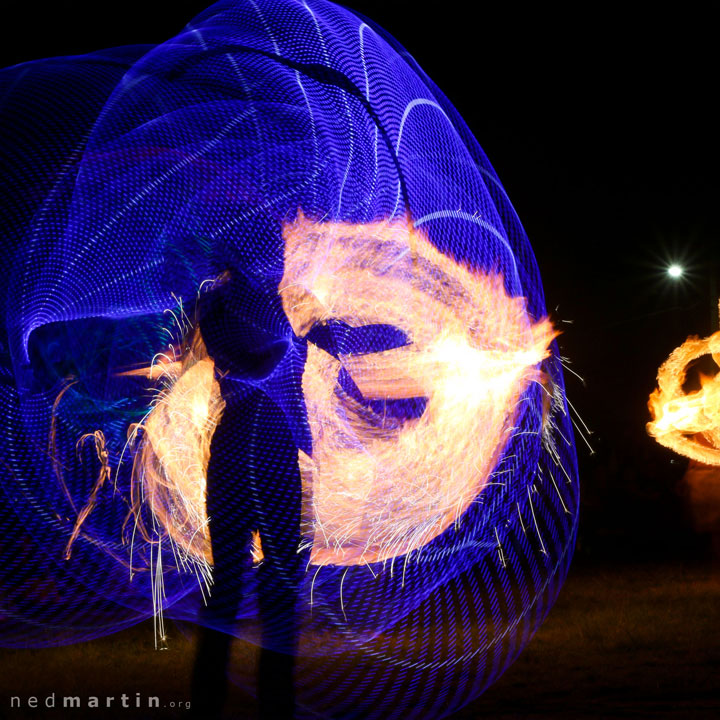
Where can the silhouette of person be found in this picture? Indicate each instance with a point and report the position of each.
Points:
(253, 482)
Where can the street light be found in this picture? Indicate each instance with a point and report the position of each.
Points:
(675, 271)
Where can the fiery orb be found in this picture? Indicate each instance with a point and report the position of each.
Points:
(688, 422)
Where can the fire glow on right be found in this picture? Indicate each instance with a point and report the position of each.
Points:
(688, 423)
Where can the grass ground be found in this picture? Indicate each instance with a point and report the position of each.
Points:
(622, 641)
(635, 641)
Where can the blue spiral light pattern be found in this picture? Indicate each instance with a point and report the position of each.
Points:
(135, 174)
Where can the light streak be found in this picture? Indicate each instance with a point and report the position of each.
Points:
(170, 466)
(377, 487)
(102, 455)
(688, 423)
(380, 489)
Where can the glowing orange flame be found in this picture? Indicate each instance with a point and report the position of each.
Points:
(170, 470)
(688, 423)
(375, 488)
(379, 489)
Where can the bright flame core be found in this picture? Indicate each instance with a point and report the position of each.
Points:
(688, 423)
(375, 487)
(170, 469)
(382, 487)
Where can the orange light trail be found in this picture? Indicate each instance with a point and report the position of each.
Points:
(688, 423)
(170, 468)
(375, 488)
(382, 489)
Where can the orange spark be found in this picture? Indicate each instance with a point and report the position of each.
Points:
(688, 423)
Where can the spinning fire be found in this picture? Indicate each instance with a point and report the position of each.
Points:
(377, 487)
(688, 423)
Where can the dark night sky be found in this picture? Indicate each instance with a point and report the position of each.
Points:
(603, 132)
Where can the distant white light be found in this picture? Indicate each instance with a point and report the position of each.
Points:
(675, 271)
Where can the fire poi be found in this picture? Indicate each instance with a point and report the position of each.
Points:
(688, 422)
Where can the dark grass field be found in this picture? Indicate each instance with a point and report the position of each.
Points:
(623, 640)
